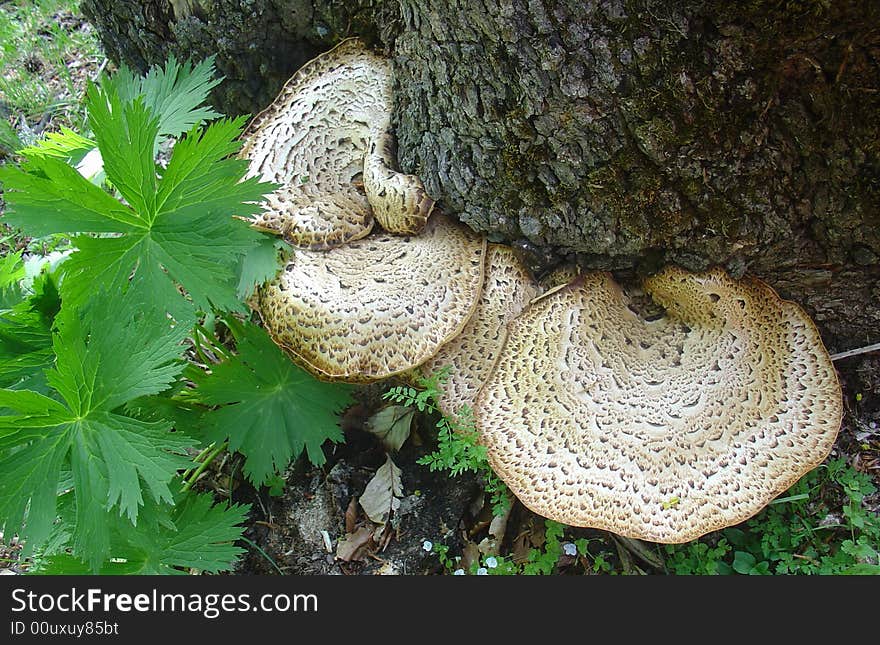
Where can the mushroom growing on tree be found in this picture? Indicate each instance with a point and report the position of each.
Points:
(378, 306)
(507, 289)
(330, 118)
(661, 429)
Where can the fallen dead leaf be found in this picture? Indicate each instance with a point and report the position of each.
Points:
(351, 515)
(352, 546)
(382, 495)
(470, 555)
(392, 425)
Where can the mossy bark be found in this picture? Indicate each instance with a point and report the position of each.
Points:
(258, 44)
(622, 134)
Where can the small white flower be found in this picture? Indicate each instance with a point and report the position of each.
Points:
(569, 549)
(458, 572)
(427, 545)
(482, 571)
(491, 562)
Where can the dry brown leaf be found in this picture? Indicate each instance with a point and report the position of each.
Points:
(352, 546)
(470, 555)
(351, 515)
(382, 495)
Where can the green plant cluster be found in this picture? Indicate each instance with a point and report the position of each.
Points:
(42, 42)
(539, 561)
(458, 450)
(796, 534)
(117, 389)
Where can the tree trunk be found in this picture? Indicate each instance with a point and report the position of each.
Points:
(258, 44)
(622, 134)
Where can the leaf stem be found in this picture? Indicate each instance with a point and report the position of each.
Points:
(207, 455)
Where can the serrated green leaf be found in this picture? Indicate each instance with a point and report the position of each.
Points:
(88, 352)
(28, 479)
(47, 196)
(271, 410)
(259, 265)
(11, 271)
(126, 133)
(193, 534)
(133, 449)
(25, 336)
(175, 91)
(177, 226)
(113, 457)
(204, 536)
(65, 145)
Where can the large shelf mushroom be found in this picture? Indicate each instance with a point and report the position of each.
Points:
(329, 119)
(662, 430)
(378, 306)
(471, 355)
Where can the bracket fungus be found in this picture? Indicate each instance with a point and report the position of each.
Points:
(314, 139)
(378, 306)
(399, 201)
(662, 429)
(507, 289)
(666, 429)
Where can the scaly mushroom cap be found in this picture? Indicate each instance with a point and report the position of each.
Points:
(325, 133)
(313, 138)
(662, 430)
(559, 277)
(378, 306)
(507, 289)
(314, 223)
(399, 202)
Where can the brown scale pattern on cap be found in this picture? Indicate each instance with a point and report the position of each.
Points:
(559, 277)
(313, 138)
(507, 289)
(313, 223)
(377, 306)
(400, 203)
(661, 430)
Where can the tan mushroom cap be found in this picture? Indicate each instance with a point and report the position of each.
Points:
(662, 430)
(377, 306)
(507, 289)
(400, 203)
(330, 118)
(314, 223)
(313, 138)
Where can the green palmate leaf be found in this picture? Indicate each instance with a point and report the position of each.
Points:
(9, 141)
(126, 133)
(175, 92)
(177, 225)
(27, 484)
(194, 534)
(271, 409)
(11, 271)
(25, 336)
(88, 352)
(47, 196)
(259, 265)
(119, 349)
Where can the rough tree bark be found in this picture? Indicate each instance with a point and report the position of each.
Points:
(623, 134)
